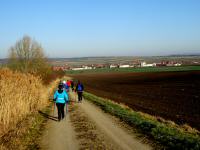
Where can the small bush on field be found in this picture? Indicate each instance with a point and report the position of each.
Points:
(169, 136)
(20, 95)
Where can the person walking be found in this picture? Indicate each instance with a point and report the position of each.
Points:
(66, 87)
(64, 83)
(61, 98)
(68, 84)
(79, 90)
(72, 85)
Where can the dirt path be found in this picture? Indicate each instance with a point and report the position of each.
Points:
(108, 126)
(59, 135)
(88, 127)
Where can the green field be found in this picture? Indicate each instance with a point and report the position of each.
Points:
(144, 69)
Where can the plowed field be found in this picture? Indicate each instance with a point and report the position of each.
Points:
(171, 95)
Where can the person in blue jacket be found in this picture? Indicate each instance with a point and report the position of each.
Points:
(60, 98)
(79, 90)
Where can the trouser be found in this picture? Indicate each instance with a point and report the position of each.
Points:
(80, 96)
(61, 113)
(72, 87)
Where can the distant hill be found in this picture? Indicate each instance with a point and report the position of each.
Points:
(188, 59)
(3, 61)
(119, 59)
(185, 55)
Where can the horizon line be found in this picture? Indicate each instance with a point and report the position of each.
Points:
(171, 55)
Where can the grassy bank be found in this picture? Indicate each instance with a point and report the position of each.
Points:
(27, 132)
(167, 134)
(143, 69)
(22, 96)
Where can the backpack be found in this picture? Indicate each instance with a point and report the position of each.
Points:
(79, 87)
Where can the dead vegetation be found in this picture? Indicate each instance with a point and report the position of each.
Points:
(21, 96)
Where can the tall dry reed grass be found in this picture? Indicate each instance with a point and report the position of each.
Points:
(20, 95)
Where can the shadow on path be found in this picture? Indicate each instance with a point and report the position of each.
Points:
(48, 116)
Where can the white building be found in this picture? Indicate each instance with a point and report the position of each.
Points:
(177, 64)
(82, 68)
(124, 66)
(113, 66)
(87, 68)
(77, 68)
(144, 64)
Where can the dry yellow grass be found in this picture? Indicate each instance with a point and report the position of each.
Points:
(20, 95)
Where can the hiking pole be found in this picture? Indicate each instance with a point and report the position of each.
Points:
(54, 107)
(75, 95)
(66, 110)
(52, 110)
(72, 100)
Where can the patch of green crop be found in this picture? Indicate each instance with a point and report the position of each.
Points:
(140, 69)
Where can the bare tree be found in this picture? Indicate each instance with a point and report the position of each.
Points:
(27, 56)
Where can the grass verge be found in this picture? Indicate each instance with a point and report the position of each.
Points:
(170, 136)
(27, 132)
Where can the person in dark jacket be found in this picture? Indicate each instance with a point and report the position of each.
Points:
(60, 98)
(72, 85)
(79, 90)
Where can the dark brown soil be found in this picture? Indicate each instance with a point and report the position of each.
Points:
(171, 95)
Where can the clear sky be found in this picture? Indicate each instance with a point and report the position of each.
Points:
(78, 28)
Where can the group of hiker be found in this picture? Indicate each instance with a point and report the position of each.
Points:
(61, 97)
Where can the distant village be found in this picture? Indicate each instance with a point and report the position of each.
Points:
(66, 67)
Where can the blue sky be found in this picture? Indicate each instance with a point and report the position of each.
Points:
(79, 28)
